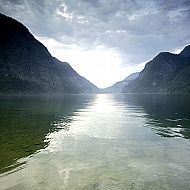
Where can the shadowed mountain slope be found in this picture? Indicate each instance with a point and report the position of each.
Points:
(26, 66)
(166, 73)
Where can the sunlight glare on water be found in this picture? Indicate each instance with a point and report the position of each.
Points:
(107, 142)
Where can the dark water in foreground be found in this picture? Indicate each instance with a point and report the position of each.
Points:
(95, 142)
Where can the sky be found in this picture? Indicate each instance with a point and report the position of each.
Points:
(105, 40)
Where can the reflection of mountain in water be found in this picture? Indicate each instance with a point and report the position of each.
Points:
(25, 121)
(169, 115)
(102, 142)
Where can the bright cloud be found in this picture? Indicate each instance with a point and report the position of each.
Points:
(105, 40)
(101, 65)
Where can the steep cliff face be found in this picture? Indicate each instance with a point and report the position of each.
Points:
(26, 66)
(166, 73)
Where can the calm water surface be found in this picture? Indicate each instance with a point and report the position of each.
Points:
(95, 142)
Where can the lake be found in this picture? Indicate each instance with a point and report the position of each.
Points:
(95, 142)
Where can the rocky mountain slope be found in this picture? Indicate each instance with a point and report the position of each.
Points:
(26, 66)
(166, 73)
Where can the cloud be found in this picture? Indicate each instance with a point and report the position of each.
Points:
(136, 29)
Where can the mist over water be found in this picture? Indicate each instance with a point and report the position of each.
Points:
(103, 141)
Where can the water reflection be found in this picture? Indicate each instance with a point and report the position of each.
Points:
(28, 124)
(102, 142)
(168, 115)
(25, 121)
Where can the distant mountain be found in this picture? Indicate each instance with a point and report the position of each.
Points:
(166, 73)
(118, 86)
(26, 66)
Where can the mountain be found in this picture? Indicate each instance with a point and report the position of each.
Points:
(118, 86)
(26, 66)
(166, 73)
(186, 51)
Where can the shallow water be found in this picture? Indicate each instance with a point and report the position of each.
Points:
(94, 142)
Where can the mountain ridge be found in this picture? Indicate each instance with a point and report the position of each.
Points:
(118, 86)
(163, 74)
(26, 66)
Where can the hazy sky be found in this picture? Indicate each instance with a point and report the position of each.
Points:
(105, 40)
